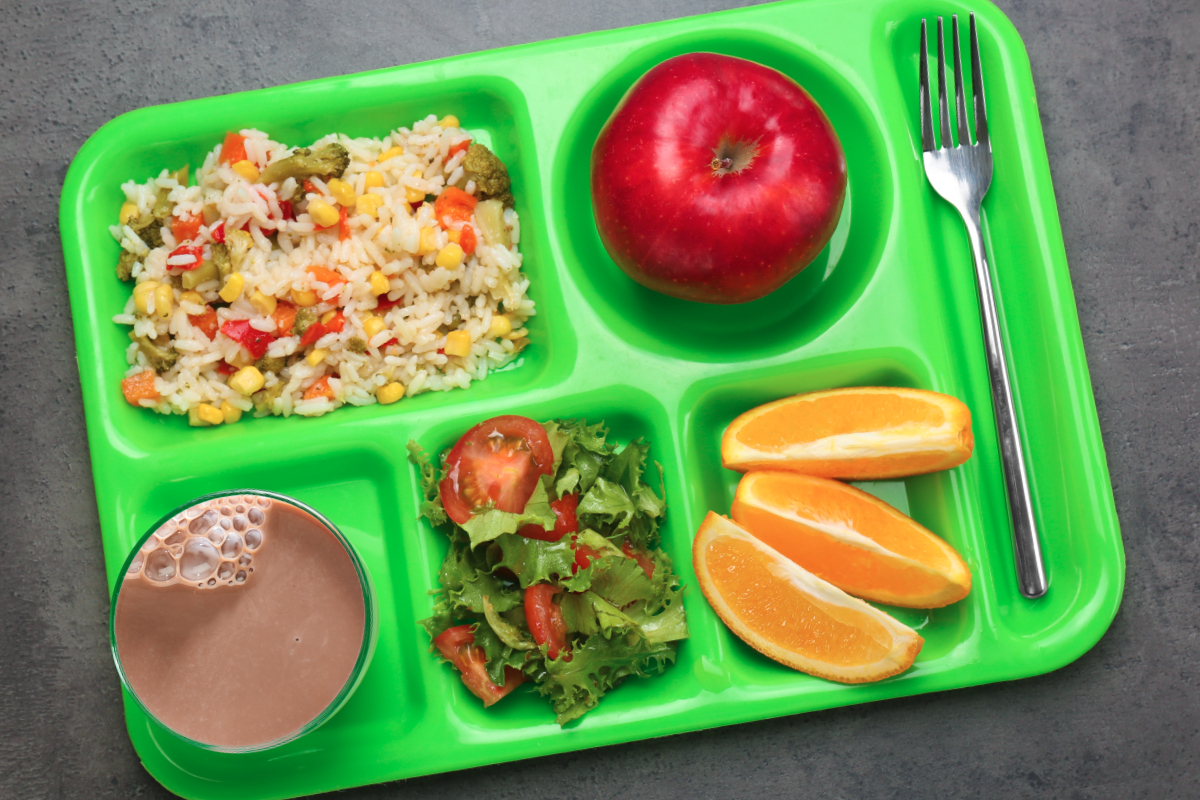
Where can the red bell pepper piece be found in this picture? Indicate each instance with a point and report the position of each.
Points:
(195, 251)
(255, 341)
(458, 148)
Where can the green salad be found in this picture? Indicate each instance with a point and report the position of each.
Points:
(554, 574)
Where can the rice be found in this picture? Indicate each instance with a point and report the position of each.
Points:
(424, 302)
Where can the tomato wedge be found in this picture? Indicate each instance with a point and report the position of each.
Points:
(647, 564)
(496, 464)
(546, 620)
(457, 645)
(565, 520)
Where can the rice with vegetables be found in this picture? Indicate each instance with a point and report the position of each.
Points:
(294, 281)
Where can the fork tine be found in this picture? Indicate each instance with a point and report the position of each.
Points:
(927, 142)
(960, 102)
(981, 129)
(943, 107)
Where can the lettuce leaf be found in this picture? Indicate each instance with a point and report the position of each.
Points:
(493, 523)
(431, 505)
(597, 665)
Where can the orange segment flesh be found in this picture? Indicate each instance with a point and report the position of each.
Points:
(857, 433)
(791, 615)
(851, 539)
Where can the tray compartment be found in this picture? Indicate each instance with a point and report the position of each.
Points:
(787, 318)
(141, 143)
(629, 413)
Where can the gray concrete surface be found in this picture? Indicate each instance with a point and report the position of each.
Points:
(1118, 88)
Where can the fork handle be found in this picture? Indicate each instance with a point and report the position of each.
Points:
(1031, 572)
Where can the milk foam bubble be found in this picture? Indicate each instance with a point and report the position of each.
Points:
(206, 545)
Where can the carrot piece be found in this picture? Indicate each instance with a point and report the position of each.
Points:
(467, 241)
(319, 389)
(139, 387)
(234, 148)
(325, 275)
(186, 228)
(285, 317)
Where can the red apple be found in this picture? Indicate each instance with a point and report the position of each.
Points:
(716, 179)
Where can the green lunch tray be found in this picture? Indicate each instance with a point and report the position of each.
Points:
(891, 301)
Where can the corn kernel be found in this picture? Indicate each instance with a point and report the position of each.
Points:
(386, 395)
(454, 236)
(129, 212)
(379, 283)
(230, 412)
(450, 256)
(501, 326)
(164, 301)
(304, 298)
(458, 343)
(449, 121)
(391, 152)
(413, 195)
(210, 414)
(322, 213)
(372, 180)
(327, 317)
(368, 204)
(247, 381)
(342, 191)
(316, 356)
(192, 297)
(373, 325)
(142, 294)
(428, 242)
(263, 303)
(233, 287)
(247, 170)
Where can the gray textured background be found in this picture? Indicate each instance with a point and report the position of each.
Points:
(1117, 85)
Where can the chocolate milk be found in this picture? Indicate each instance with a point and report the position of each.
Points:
(239, 621)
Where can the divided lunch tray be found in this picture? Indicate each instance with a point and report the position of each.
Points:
(891, 301)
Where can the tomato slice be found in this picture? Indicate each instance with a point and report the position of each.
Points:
(457, 645)
(496, 464)
(565, 520)
(546, 620)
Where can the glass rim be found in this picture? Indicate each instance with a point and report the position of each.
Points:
(370, 622)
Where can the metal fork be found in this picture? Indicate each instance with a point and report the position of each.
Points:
(962, 175)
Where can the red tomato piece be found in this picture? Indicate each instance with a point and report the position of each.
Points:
(583, 557)
(311, 334)
(186, 228)
(545, 620)
(467, 240)
(496, 464)
(320, 388)
(285, 317)
(457, 645)
(565, 520)
(234, 148)
(139, 387)
(218, 234)
(206, 322)
(343, 224)
(195, 251)
(255, 341)
(457, 148)
(647, 564)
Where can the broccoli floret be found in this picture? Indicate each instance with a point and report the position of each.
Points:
(489, 173)
(266, 398)
(149, 230)
(220, 259)
(125, 265)
(271, 364)
(356, 345)
(158, 352)
(328, 162)
(304, 318)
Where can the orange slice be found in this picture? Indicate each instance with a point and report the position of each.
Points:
(855, 541)
(791, 615)
(859, 433)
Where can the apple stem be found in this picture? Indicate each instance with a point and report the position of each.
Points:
(722, 163)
